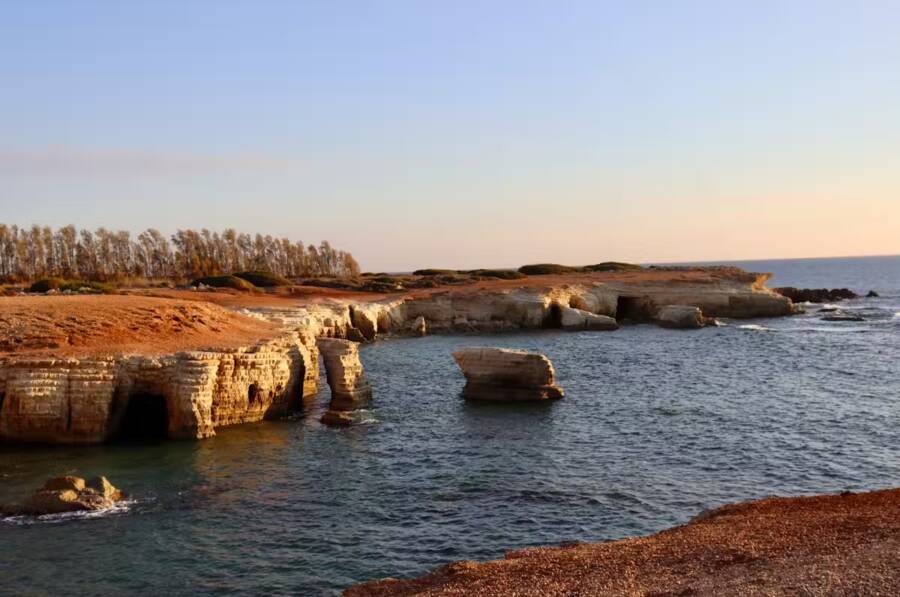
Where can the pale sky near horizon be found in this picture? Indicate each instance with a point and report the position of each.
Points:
(463, 134)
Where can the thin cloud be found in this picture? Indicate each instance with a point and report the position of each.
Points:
(75, 161)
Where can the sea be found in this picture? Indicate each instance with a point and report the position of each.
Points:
(657, 426)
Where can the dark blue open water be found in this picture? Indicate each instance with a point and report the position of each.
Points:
(656, 426)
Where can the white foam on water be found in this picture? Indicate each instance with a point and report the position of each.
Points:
(24, 520)
(754, 327)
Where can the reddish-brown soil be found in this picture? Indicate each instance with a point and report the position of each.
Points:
(159, 321)
(312, 294)
(109, 324)
(826, 545)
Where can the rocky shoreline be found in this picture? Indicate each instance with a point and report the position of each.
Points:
(843, 544)
(91, 393)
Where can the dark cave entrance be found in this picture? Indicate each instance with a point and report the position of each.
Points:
(553, 317)
(634, 309)
(146, 417)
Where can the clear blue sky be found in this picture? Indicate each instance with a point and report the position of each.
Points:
(462, 134)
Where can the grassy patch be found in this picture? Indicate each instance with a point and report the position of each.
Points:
(62, 285)
(503, 274)
(232, 282)
(545, 269)
(434, 272)
(612, 266)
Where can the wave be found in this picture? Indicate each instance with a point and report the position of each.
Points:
(755, 327)
(122, 507)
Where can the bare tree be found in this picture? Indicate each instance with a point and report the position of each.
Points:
(29, 253)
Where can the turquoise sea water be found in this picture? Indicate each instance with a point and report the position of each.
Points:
(656, 426)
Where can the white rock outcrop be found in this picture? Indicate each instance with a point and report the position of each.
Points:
(682, 317)
(576, 319)
(507, 374)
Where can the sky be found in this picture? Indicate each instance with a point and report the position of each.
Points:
(462, 134)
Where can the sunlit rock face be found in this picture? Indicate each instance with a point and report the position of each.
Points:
(350, 390)
(683, 317)
(68, 494)
(349, 387)
(505, 374)
(185, 395)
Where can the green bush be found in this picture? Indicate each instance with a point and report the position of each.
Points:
(543, 269)
(503, 274)
(93, 287)
(263, 279)
(331, 283)
(434, 272)
(232, 282)
(46, 284)
(387, 280)
(612, 266)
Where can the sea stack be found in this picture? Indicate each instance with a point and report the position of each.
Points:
(349, 388)
(504, 374)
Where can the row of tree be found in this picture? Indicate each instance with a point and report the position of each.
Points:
(104, 255)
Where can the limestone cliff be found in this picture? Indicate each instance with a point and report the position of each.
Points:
(92, 399)
(89, 399)
(573, 306)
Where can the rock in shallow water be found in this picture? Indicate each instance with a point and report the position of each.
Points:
(505, 374)
(337, 418)
(843, 317)
(69, 494)
(816, 295)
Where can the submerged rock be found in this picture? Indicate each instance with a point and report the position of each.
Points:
(872, 294)
(843, 317)
(69, 494)
(682, 317)
(507, 375)
(337, 418)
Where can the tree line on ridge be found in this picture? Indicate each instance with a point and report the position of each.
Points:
(107, 255)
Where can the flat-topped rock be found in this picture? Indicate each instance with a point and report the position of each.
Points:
(507, 374)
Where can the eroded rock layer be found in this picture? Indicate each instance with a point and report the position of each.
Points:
(187, 395)
(349, 387)
(586, 305)
(505, 374)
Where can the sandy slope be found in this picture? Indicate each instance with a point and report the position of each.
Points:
(825, 545)
(103, 324)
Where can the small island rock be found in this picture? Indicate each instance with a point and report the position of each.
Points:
(507, 375)
(70, 494)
